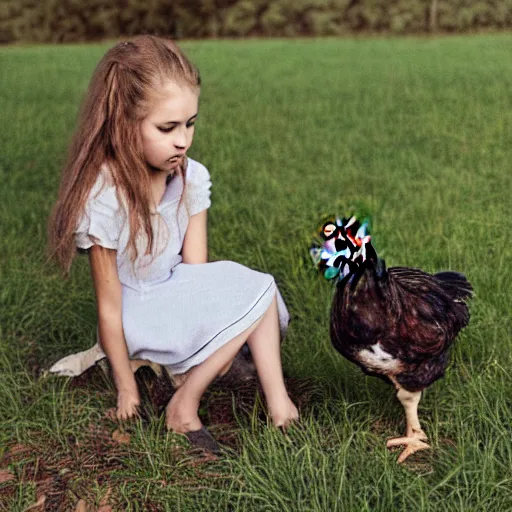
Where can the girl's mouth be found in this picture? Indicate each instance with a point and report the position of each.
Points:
(175, 158)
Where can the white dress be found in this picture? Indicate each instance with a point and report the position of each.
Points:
(174, 314)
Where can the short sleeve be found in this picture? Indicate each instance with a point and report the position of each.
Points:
(198, 188)
(100, 223)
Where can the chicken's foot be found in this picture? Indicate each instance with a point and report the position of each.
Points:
(415, 436)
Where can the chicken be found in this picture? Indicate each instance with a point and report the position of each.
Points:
(395, 323)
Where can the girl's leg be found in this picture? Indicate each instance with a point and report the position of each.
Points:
(181, 411)
(265, 345)
(264, 341)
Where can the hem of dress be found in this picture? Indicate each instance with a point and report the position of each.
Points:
(227, 334)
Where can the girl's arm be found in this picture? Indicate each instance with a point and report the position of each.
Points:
(195, 244)
(108, 299)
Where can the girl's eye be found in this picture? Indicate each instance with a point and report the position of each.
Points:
(171, 128)
(166, 130)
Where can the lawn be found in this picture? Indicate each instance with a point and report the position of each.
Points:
(416, 131)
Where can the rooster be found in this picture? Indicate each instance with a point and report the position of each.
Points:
(395, 323)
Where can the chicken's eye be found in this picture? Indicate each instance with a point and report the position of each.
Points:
(329, 229)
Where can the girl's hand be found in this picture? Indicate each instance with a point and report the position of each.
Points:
(128, 402)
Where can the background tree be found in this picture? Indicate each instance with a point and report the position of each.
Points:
(75, 20)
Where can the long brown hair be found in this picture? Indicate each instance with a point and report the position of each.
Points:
(109, 132)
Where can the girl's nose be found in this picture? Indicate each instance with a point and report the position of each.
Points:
(180, 141)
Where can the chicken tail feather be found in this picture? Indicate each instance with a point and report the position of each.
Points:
(455, 284)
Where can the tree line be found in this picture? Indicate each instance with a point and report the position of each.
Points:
(84, 20)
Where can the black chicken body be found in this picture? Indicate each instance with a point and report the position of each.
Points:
(397, 323)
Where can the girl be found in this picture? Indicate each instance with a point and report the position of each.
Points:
(132, 199)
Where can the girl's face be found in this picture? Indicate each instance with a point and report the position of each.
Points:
(168, 129)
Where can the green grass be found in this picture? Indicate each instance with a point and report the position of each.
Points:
(418, 132)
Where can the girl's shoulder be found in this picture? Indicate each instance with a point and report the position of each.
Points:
(103, 193)
(198, 184)
(196, 172)
(102, 218)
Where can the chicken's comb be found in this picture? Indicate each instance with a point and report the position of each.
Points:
(341, 246)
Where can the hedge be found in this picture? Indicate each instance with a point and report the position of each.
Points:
(77, 20)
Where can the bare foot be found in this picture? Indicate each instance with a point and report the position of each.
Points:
(283, 412)
(181, 416)
(413, 443)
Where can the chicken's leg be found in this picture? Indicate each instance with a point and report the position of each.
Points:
(415, 436)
